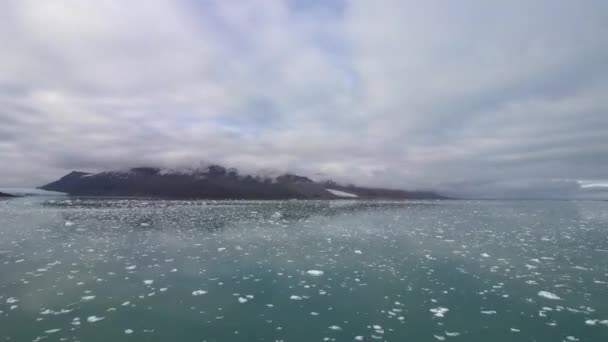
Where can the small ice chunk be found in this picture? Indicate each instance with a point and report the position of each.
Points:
(221, 249)
(12, 300)
(294, 297)
(359, 338)
(591, 322)
(242, 300)
(335, 327)
(485, 255)
(88, 298)
(488, 312)
(52, 331)
(93, 319)
(358, 251)
(548, 295)
(439, 312)
(199, 292)
(148, 282)
(128, 331)
(315, 273)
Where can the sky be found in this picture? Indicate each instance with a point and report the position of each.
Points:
(469, 98)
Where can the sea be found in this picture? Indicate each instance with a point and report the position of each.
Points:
(129, 269)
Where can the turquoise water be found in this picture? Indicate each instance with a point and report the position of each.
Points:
(152, 270)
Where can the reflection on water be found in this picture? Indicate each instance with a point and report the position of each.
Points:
(127, 269)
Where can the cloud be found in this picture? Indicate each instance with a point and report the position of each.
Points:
(476, 99)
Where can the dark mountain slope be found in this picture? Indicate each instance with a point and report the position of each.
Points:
(213, 182)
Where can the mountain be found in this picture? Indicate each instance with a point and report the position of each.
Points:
(214, 182)
(5, 195)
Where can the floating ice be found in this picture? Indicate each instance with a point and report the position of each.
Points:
(88, 298)
(548, 295)
(439, 312)
(148, 282)
(315, 273)
(128, 331)
(294, 297)
(242, 300)
(199, 292)
(52, 331)
(335, 327)
(93, 319)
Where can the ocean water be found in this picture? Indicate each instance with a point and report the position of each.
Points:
(155, 270)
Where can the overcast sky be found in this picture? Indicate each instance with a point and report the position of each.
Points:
(478, 98)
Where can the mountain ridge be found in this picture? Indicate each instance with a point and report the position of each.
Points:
(216, 182)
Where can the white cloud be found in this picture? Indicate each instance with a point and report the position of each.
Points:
(479, 98)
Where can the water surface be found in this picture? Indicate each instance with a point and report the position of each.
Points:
(153, 270)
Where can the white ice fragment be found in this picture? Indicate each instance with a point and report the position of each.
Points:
(93, 319)
(148, 282)
(128, 331)
(52, 331)
(335, 327)
(12, 300)
(440, 338)
(199, 292)
(359, 338)
(221, 249)
(88, 298)
(488, 312)
(132, 267)
(358, 251)
(242, 300)
(548, 295)
(294, 297)
(439, 312)
(452, 334)
(485, 255)
(315, 273)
